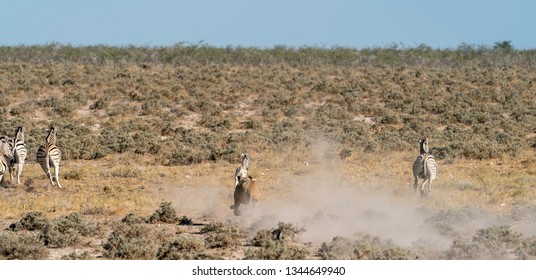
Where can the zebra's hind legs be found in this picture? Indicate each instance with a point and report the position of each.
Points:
(19, 172)
(52, 179)
(423, 187)
(57, 177)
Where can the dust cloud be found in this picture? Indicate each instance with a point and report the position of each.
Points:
(327, 206)
(324, 205)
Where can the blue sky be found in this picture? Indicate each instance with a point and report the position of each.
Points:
(264, 24)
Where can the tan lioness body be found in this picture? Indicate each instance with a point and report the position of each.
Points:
(246, 192)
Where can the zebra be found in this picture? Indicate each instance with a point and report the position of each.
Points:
(50, 154)
(424, 167)
(242, 170)
(6, 154)
(19, 153)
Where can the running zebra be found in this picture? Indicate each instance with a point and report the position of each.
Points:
(242, 170)
(424, 167)
(50, 155)
(7, 148)
(6, 154)
(19, 154)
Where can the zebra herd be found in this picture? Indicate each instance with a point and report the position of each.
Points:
(14, 152)
(49, 155)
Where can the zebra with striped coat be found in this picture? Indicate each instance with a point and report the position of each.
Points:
(50, 155)
(242, 170)
(424, 167)
(6, 154)
(19, 153)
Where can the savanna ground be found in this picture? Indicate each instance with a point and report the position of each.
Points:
(150, 139)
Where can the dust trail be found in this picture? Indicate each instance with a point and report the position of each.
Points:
(327, 206)
(207, 202)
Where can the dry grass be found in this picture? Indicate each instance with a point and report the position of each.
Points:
(203, 192)
(331, 142)
(495, 184)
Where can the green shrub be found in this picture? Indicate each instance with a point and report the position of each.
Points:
(131, 219)
(463, 249)
(131, 242)
(496, 242)
(66, 231)
(278, 244)
(278, 251)
(164, 214)
(21, 246)
(118, 141)
(362, 247)
(527, 249)
(445, 221)
(212, 227)
(252, 123)
(222, 236)
(31, 221)
(101, 103)
(182, 249)
(75, 256)
(185, 221)
(282, 96)
(374, 248)
(263, 238)
(340, 248)
(123, 171)
(285, 232)
(73, 174)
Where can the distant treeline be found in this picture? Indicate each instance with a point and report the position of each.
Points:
(502, 54)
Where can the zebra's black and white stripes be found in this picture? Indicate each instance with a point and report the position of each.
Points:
(6, 154)
(19, 154)
(242, 170)
(50, 155)
(424, 167)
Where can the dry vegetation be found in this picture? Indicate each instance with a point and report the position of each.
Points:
(150, 138)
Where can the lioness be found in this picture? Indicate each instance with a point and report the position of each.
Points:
(246, 192)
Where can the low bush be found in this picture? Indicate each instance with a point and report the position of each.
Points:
(66, 231)
(527, 249)
(285, 232)
(278, 251)
(445, 221)
(374, 248)
(222, 236)
(340, 248)
(278, 244)
(21, 246)
(73, 174)
(31, 221)
(185, 221)
(164, 214)
(131, 242)
(496, 242)
(182, 249)
(75, 256)
(362, 247)
(131, 219)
